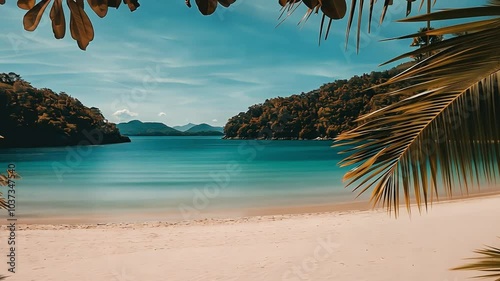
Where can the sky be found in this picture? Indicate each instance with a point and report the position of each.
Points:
(168, 63)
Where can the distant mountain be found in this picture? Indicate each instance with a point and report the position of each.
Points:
(205, 128)
(138, 128)
(31, 117)
(184, 127)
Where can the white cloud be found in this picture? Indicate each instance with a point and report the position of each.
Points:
(124, 114)
(215, 120)
(162, 114)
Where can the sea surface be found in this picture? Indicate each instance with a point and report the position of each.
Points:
(175, 175)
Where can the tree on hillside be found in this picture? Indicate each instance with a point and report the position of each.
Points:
(325, 112)
(422, 41)
(33, 117)
(10, 78)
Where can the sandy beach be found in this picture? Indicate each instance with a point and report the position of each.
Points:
(341, 245)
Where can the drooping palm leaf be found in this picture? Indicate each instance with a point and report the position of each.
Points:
(489, 262)
(446, 134)
(384, 8)
(488, 10)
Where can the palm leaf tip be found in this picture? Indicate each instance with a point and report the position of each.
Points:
(488, 261)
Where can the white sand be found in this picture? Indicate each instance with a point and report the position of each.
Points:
(367, 245)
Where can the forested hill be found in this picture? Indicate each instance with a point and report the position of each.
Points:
(324, 113)
(31, 117)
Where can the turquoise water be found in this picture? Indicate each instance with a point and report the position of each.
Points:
(175, 174)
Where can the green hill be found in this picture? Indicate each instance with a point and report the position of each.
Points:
(31, 117)
(204, 128)
(138, 128)
(322, 113)
(184, 128)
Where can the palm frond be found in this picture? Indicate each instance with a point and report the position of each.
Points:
(336, 10)
(445, 132)
(450, 14)
(489, 262)
(384, 8)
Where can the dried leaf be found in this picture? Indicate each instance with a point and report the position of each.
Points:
(81, 27)
(132, 4)
(58, 19)
(334, 9)
(226, 3)
(32, 17)
(206, 7)
(100, 7)
(114, 3)
(311, 4)
(25, 4)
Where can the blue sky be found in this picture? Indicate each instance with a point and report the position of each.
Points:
(168, 63)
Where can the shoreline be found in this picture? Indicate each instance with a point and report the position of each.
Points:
(121, 139)
(126, 218)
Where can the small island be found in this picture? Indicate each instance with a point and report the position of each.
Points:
(31, 117)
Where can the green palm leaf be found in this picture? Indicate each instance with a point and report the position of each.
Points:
(445, 134)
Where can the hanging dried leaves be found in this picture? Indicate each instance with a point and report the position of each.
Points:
(80, 25)
(82, 30)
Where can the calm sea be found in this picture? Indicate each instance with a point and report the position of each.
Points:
(176, 174)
